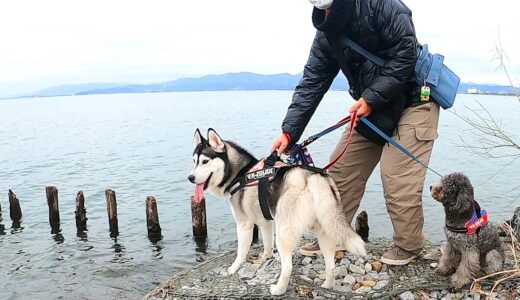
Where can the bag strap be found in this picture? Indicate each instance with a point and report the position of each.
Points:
(369, 55)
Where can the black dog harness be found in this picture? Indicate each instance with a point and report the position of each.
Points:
(262, 177)
(474, 224)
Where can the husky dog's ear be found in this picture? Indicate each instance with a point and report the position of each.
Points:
(215, 140)
(198, 139)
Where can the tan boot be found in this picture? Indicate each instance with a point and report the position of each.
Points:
(312, 248)
(397, 256)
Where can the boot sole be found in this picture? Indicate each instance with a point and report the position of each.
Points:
(309, 252)
(395, 262)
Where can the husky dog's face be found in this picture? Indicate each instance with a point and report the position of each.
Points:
(208, 160)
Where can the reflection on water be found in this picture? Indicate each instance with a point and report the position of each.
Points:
(2, 227)
(157, 250)
(16, 227)
(82, 235)
(140, 145)
(58, 238)
(119, 253)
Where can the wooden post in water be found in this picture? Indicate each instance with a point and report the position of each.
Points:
(81, 213)
(112, 212)
(362, 225)
(54, 210)
(198, 218)
(255, 235)
(15, 212)
(2, 227)
(152, 219)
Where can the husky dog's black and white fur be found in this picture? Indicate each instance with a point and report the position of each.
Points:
(300, 201)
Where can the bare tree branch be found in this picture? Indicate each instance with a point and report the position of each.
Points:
(490, 135)
(486, 136)
(500, 56)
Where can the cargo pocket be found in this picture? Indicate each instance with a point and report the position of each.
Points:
(425, 133)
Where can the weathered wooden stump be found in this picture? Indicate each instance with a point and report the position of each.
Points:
(2, 227)
(201, 244)
(81, 213)
(15, 212)
(255, 235)
(152, 220)
(112, 212)
(54, 210)
(198, 218)
(515, 223)
(362, 225)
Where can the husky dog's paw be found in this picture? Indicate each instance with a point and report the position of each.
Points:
(265, 256)
(277, 290)
(328, 284)
(232, 270)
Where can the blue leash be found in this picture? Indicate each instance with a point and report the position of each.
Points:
(394, 143)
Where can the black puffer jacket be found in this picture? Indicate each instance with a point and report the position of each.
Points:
(383, 27)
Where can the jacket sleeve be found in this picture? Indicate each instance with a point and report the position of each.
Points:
(397, 35)
(318, 74)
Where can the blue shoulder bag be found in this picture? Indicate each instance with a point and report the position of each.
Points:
(429, 70)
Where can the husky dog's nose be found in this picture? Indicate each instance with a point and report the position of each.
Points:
(431, 188)
(191, 178)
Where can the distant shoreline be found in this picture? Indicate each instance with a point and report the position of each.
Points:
(231, 90)
(489, 94)
(242, 81)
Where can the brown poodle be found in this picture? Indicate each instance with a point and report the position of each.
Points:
(471, 248)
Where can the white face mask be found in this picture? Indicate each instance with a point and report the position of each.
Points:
(322, 4)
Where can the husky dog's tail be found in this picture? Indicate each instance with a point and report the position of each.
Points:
(333, 222)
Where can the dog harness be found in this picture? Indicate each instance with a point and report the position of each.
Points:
(474, 224)
(266, 170)
(261, 174)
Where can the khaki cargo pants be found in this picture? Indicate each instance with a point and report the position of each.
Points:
(403, 178)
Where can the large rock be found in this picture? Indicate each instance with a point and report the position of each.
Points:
(357, 270)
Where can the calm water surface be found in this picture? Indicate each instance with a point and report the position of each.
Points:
(140, 145)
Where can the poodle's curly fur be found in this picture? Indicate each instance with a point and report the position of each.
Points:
(465, 256)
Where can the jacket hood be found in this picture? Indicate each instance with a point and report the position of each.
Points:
(339, 15)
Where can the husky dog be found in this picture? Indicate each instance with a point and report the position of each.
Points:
(300, 201)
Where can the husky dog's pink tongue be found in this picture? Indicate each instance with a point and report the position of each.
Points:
(199, 193)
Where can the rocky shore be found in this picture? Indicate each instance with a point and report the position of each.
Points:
(357, 278)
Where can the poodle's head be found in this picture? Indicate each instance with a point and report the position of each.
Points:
(455, 192)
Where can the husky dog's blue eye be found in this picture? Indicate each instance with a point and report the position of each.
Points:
(205, 161)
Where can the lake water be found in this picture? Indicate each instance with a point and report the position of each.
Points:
(140, 145)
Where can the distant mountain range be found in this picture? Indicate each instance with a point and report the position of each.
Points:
(229, 82)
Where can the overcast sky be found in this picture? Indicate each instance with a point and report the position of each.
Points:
(48, 43)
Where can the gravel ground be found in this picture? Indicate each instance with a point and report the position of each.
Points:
(357, 278)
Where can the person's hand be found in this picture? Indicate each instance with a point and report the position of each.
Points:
(280, 143)
(362, 108)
